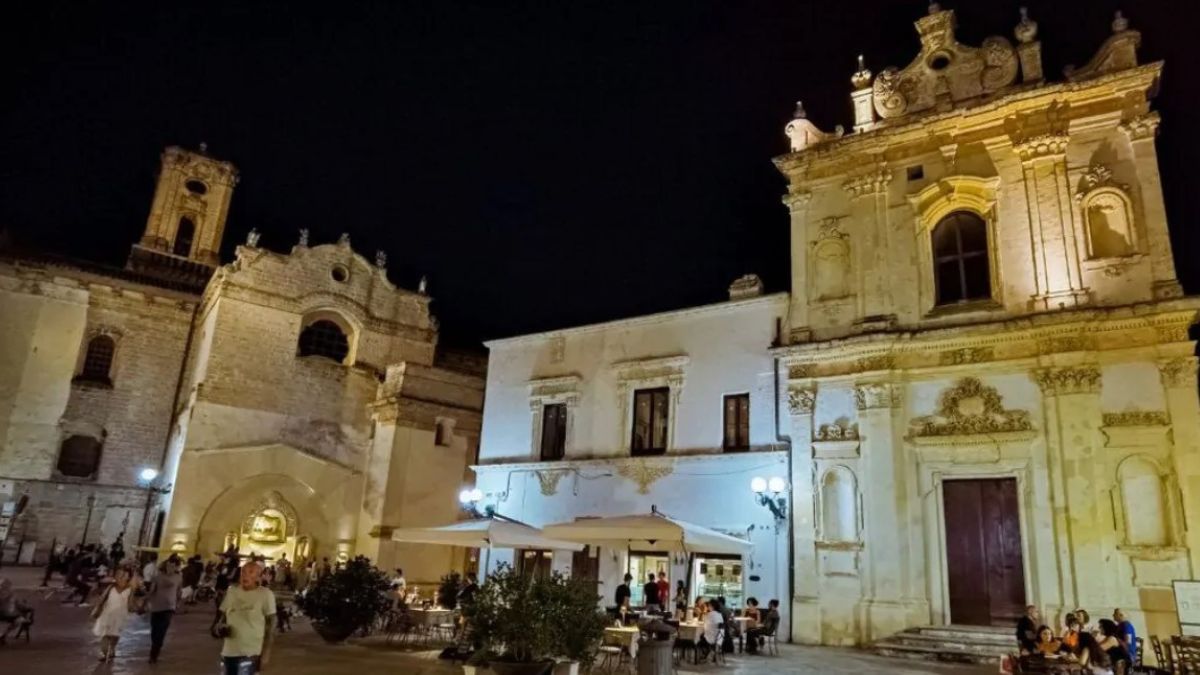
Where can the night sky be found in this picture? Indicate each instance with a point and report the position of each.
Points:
(546, 164)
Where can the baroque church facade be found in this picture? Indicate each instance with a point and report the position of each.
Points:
(290, 403)
(981, 388)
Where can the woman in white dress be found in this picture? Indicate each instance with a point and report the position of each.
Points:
(112, 612)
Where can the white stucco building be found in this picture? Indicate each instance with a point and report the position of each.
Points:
(645, 404)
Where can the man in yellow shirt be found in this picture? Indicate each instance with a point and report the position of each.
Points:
(248, 615)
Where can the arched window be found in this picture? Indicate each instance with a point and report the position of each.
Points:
(960, 259)
(183, 237)
(79, 456)
(97, 361)
(1143, 499)
(839, 506)
(324, 338)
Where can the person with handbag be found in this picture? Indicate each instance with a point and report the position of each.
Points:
(245, 623)
(112, 612)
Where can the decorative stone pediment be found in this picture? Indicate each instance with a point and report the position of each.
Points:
(644, 473)
(945, 71)
(1119, 52)
(842, 430)
(548, 480)
(803, 134)
(970, 408)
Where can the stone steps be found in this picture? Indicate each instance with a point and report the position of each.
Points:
(955, 644)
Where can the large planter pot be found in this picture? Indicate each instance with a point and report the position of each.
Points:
(535, 668)
(566, 668)
(333, 633)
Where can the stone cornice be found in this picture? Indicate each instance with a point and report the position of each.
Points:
(1142, 127)
(593, 463)
(987, 117)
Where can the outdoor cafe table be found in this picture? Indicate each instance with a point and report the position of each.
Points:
(626, 637)
(428, 619)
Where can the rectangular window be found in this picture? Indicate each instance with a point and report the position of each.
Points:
(650, 421)
(737, 422)
(554, 431)
(534, 563)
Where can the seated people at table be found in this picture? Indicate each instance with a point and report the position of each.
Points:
(722, 606)
(1046, 642)
(650, 594)
(1027, 630)
(700, 608)
(1109, 641)
(621, 599)
(1126, 634)
(767, 624)
(751, 612)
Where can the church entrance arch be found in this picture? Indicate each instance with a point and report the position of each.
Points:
(271, 515)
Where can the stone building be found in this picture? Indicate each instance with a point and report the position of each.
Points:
(983, 287)
(984, 369)
(292, 403)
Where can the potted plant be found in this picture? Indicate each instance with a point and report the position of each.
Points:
(447, 593)
(523, 623)
(347, 600)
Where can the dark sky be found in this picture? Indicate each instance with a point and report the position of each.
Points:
(545, 163)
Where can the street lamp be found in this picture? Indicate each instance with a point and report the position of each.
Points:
(470, 498)
(775, 501)
(147, 477)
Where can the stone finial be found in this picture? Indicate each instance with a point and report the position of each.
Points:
(252, 238)
(1026, 30)
(303, 237)
(861, 79)
(423, 285)
(204, 146)
(799, 114)
(746, 286)
(344, 240)
(934, 7)
(381, 259)
(1120, 24)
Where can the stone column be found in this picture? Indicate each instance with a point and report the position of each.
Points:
(1072, 404)
(1052, 220)
(1141, 132)
(886, 605)
(1179, 382)
(806, 600)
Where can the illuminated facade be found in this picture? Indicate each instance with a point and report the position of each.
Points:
(984, 372)
(295, 403)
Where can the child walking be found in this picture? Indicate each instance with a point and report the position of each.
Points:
(112, 612)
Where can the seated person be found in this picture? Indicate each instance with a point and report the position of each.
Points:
(752, 611)
(1027, 630)
(1109, 642)
(1071, 636)
(710, 634)
(766, 626)
(1046, 643)
(700, 609)
(1127, 634)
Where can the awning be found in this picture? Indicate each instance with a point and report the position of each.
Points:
(648, 532)
(484, 533)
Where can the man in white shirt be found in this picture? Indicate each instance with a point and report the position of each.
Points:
(712, 625)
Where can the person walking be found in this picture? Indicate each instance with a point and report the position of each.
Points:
(112, 612)
(245, 623)
(163, 601)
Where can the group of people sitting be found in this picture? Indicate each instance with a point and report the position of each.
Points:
(1108, 646)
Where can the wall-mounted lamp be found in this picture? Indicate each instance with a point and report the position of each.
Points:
(775, 501)
(470, 498)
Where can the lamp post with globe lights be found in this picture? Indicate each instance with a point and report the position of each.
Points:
(148, 479)
(770, 492)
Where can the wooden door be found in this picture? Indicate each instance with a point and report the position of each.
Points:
(585, 564)
(983, 551)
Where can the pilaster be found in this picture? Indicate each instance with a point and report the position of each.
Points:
(797, 203)
(868, 208)
(1141, 132)
(801, 402)
(1178, 377)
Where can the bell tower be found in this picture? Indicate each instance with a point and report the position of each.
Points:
(187, 218)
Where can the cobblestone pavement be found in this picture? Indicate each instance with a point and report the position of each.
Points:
(63, 645)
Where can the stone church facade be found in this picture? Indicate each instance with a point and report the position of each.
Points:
(292, 402)
(985, 307)
(982, 384)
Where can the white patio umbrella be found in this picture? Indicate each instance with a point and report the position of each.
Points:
(484, 533)
(648, 532)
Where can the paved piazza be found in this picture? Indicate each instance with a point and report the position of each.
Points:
(63, 645)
